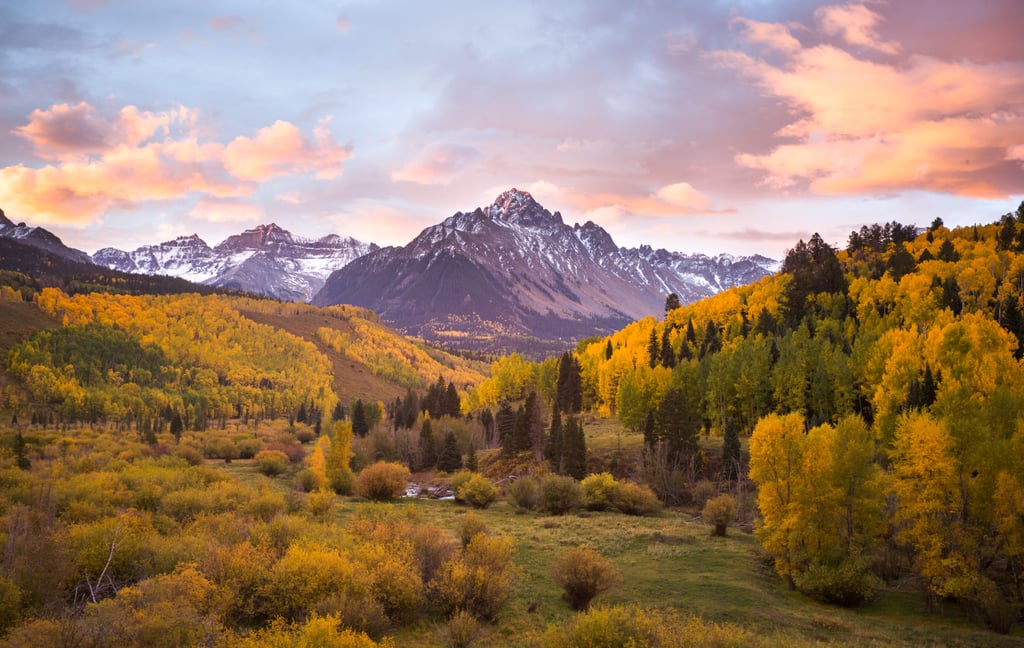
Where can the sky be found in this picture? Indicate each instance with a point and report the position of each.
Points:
(696, 126)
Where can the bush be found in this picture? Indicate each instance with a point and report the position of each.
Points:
(247, 448)
(719, 512)
(463, 629)
(559, 494)
(848, 584)
(271, 462)
(321, 504)
(480, 579)
(222, 448)
(583, 574)
(524, 493)
(382, 481)
(304, 435)
(598, 491)
(266, 505)
(477, 491)
(702, 492)
(305, 480)
(469, 526)
(636, 499)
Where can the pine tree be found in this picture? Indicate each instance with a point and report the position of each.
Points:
(449, 459)
(671, 303)
(452, 404)
(554, 445)
(521, 439)
(20, 456)
(505, 421)
(487, 421)
(668, 356)
(574, 456)
(653, 349)
(428, 449)
(650, 431)
(678, 423)
(608, 350)
(339, 412)
(359, 425)
(471, 460)
(569, 386)
(177, 426)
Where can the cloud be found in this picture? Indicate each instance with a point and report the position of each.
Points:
(226, 210)
(439, 164)
(135, 157)
(855, 24)
(859, 126)
(773, 35)
(224, 23)
(342, 24)
(682, 195)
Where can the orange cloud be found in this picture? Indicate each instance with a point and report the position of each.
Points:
(226, 210)
(861, 127)
(682, 194)
(136, 157)
(774, 35)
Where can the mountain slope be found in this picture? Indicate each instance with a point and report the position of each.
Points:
(40, 238)
(267, 260)
(514, 276)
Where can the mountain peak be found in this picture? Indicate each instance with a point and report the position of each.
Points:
(4, 221)
(519, 207)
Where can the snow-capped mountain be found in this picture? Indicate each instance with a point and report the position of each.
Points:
(512, 271)
(266, 259)
(39, 238)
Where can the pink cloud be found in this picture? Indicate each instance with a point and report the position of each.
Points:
(226, 210)
(860, 126)
(135, 157)
(224, 23)
(773, 35)
(855, 24)
(683, 195)
(439, 164)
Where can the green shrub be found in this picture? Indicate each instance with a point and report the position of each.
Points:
(382, 481)
(266, 505)
(271, 462)
(583, 574)
(222, 448)
(477, 491)
(524, 493)
(598, 491)
(636, 499)
(850, 583)
(559, 494)
(321, 504)
(247, 448)
(719, 512)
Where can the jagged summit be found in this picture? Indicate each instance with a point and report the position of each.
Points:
(519, 207)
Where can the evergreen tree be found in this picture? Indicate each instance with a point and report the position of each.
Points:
(947, 252)
(177, 426)
(20, 455)
(1007, 233)
(608, 350)
(471, 460)
(678, 423)
(360, 427)
(450, 459)
(505, 421)
(574, 454)
(671, 303)
(814, 268)
(521, 431)
(712, 342)
(667, 355)
(653, 349)
(691, 333)
(487, 421)
(569, 386)
(428, 449)
(553, 447)
(302, 415)
(452, 405)
(339, 412)
(950, 297)
(1013, 322)
(900, 263)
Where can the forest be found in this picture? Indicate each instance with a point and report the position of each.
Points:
(186, 469)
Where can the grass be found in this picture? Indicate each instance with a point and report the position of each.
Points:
(672, 562)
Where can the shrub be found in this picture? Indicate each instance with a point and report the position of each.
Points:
(480, 579)
(266, 505)
(702, 492)
(432, 548)
(189, 454)
(583, 574)
(719, 512)
(850, 583)
(222, 448)
(305, 480)
(458, 479)
(463, 629)
(559, 494)
(636, 499)
(247, 448)
(598, 491)
(271, 462)
(321, 504)
(382, 481)
(295, 452)
(469, 526)
(304, 435)
(524, 493)
(477, 491)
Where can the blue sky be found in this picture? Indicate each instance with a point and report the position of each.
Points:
(695, 126)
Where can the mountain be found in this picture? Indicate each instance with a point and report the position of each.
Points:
(514, 276)
(40, 238)
(266, 259)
